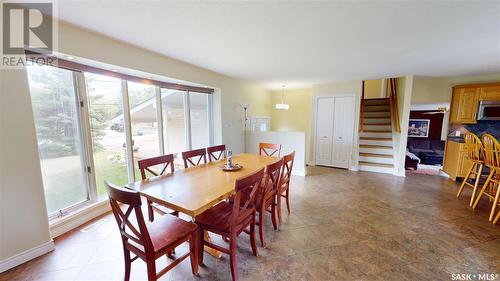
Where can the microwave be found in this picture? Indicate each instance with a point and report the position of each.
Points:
(489, 110)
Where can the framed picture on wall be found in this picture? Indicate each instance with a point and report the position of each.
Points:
(418, 128)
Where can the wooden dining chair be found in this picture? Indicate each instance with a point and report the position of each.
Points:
(150, 240)
(267, 197)
(193, 157)
(284, 186)
(492, 160)
(229, 220)
(216, 152)
(146, 165)
(475, 150)
(269, 149)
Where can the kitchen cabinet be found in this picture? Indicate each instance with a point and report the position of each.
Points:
(490, 93)
(464, 105)
(455, 164)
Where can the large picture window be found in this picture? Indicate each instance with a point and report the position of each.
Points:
(57, 124)
(200, 119)
(174, 123)
(93, 127)
(105, 114)
(144, 122)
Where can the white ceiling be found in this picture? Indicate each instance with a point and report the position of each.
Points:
(303, 43)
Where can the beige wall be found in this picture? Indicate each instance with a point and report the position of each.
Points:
(22, 190)
(23, 215)
(438, 90)
(404, 95)
(351, 87)
(373, 89)
(297, 118)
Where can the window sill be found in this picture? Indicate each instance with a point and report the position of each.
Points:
(62, 225)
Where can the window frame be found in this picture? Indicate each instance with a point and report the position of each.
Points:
(83, 120)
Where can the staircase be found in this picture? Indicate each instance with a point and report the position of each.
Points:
(376, 151)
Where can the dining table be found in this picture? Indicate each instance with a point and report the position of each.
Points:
(193, 190)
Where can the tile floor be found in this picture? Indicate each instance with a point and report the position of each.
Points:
(344, 226)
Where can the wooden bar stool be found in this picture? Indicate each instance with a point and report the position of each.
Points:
(496, 218)
(145, 166)
(475, 150)
(492, 161)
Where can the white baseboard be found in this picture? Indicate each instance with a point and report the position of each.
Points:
(25, 256)
(399, 174)
(80, 217)
(299, 173)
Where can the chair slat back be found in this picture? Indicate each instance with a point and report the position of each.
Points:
(286, 172)
(269, 149)
(474, 147)
(130, 229)
(216, 152)
(491, 151)
(193, 157)
(246, 190)
(271, 180)
(146, 164)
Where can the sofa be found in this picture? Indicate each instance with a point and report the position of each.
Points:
(411, 161)
(430, 152)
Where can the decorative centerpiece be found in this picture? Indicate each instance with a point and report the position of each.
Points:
(230, 166)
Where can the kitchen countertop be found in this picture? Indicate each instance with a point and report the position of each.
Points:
(456, 139)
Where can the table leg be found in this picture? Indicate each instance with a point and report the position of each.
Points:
(211, 251)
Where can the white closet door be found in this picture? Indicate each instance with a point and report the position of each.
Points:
(324, 131)
(343, 124)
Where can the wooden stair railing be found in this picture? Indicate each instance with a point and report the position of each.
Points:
(361, 114)
(394, 105)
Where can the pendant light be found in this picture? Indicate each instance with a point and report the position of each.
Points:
(282, 105)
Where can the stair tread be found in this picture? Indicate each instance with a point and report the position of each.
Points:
(377, 131)
(375, 117)
(376, 164)
(375, 146)
(375, 155)
(377, 99)
(372, 138)
(377, 124)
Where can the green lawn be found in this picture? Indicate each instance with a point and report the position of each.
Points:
(105, 169)
(64, 182)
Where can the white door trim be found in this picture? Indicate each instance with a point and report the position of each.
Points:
(315, 109)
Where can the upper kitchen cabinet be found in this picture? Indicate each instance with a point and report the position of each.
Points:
(464, 104)
(490, 93)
